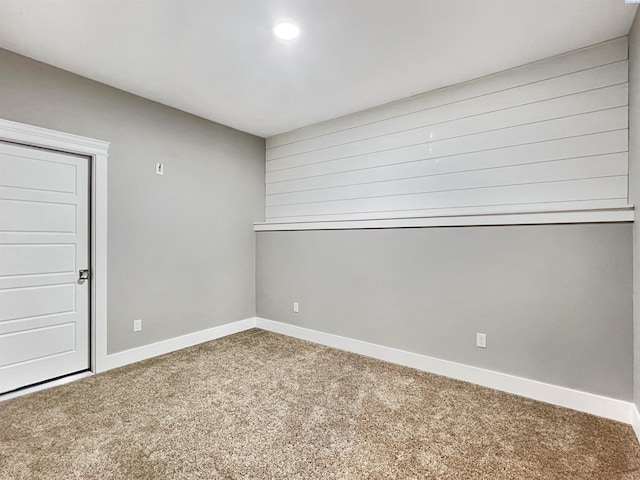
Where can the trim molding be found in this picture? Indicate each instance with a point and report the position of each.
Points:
(606, 407)
(565, 397)
(133, 355)
(602, 215)
(97, 151)
(43, 137)
(635, 420)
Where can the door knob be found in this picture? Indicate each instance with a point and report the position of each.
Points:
(83, 275)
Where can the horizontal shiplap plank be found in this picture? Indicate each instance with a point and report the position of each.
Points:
(602, 54)
(584, 124)
(573, 147)
(464, 211)
(595, 100)
(558, 191)
(570, 84)
(531, 207)
(574, 168)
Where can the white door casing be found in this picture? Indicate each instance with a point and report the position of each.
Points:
(44, 242)
(97, 152)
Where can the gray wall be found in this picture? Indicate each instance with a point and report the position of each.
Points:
(181, 246)
(634, 188)
(554, 300)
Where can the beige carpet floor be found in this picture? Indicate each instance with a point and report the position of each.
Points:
(257, 405)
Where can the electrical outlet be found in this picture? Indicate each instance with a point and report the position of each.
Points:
(296, 307)
(481, 340)
(137, 325)
(159, 169)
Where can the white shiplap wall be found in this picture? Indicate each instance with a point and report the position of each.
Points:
(551, 135)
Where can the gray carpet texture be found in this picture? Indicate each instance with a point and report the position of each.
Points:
(257, 405)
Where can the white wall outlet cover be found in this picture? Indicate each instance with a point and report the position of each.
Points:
(481, 340)
(159, 169)
(296, 307)
(137, 325)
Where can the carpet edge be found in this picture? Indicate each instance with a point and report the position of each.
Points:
(586, 402)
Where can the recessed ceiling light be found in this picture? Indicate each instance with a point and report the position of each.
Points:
(286, 30)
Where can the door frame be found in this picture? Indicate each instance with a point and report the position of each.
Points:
(97, 151)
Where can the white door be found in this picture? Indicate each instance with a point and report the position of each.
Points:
(44, 243)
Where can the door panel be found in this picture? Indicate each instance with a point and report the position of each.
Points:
(31, 216)
(20, 303)
(44, 242)
(24, 172)
(36, 343)
(37, 259)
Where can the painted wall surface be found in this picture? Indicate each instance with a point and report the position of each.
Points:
(550, 135)
(181, 245)
(554, 300)
(634, 188)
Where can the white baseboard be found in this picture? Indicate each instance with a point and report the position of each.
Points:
(599, 405)
(166, 346)
(565, 397)
(635, 421)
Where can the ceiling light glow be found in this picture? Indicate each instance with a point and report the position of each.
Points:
(286, 30)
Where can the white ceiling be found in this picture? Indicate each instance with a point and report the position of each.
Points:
(218, 58)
